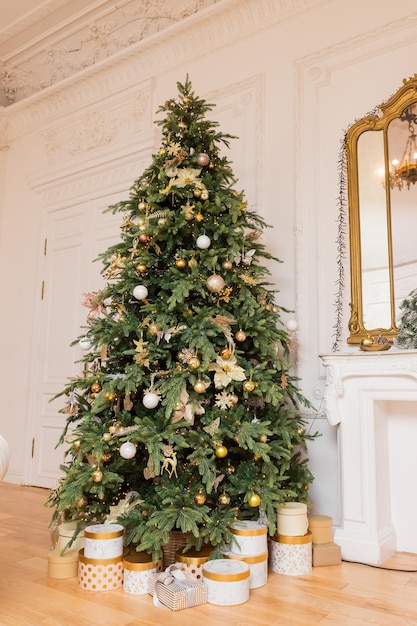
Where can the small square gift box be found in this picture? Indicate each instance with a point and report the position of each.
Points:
(137, 569)
(291, 555)
(250, 538)
(227, 581)
(103, 541)
(173, 589)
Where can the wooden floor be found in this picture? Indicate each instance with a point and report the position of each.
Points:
(339, 595)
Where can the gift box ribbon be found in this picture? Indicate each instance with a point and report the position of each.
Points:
(174, 575)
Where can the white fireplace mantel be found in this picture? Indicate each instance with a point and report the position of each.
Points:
(372, 398)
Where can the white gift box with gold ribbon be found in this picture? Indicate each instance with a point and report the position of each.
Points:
(99, 574)
(103, 541)
(137, 569)
(227, 581)
(291, 555)
(251, 538)
(258, 565)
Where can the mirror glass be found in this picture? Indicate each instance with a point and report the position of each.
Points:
(381, 159)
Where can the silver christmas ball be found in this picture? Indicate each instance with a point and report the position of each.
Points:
(84, 343)
(203, 159)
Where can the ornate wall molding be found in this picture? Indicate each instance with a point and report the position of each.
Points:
(208, 29)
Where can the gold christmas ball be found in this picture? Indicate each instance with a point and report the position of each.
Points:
(263, 438)
(106, 457)
(110, 395)
(153, 329)
(254, 499)
(224, 498)
(197, 192)
(96, 387)
(226, 353)
(141, 268)
(181, 263)
(367, 341)
(240, 335)
(194, 363)
(199, 387)
(204, 195)
(248, 385)
(97, 476)
(143, 238)
(227, 265)
(113, 429)
(76, 445)
(198, 217)
(80, 503)
(142, 206)
(221, 452)
(199, 498)
(234, 398)
(215, 283)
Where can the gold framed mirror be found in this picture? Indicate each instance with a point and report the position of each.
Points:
(381, 162)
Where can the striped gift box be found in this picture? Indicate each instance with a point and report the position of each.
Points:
(176, 593)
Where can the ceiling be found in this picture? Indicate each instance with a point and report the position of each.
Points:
(43, 42)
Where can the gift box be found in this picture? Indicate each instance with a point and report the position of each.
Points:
(326, 554)
(192, 561)
(258, 566)
(251, 538)
(173, 589)
(103, 541)
(99, 574)
(321, 528)
(137, 569)
(292, 519)
(291, 555)
(62, 565)
(227, 581)
(66, 532)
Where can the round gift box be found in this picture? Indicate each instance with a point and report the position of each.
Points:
(258, 566)
(292, 519)
(99, 574)
(251, 538)
(192, 561)
(137, 568)
(66, 532)
(291, 555)
(103, 541)
(62, 565)
(227, 581)
(321, 528)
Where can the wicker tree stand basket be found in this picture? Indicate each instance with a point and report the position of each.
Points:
(177, 540)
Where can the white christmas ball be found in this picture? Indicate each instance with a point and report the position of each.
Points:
(203, 242)
(292, 325)
(84, 343)
(140, 292)
(127, 450)
(150, 400)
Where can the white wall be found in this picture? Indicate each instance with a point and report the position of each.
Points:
(288, 78)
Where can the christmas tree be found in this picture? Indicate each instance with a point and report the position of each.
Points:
(407, 330)
(187, 416)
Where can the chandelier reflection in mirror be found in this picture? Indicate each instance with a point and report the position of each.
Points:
(404, 172)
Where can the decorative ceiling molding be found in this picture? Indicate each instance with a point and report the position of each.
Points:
(207, 30)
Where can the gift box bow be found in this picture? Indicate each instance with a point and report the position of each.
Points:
(174, 577)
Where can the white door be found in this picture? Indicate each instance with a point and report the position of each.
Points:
(73, 239)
